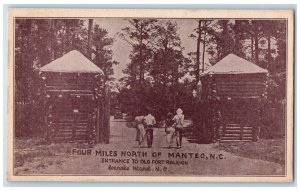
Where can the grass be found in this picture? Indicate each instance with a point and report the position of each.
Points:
(32, 154)
(272, 150)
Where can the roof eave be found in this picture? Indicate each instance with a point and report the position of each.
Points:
(73, 72)
(234, 73)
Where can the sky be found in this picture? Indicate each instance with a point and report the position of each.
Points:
(122, 49)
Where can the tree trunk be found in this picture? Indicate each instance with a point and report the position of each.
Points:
(89, 45)
(225, 45)
(252, 48)
(73, 35)
(140, 52)
(52, 49)
(63, 41)
(269, 56)
(256, 48)
(203, 47)
(198, 52)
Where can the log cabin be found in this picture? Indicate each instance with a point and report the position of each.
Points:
(239, 87)
(72, 90)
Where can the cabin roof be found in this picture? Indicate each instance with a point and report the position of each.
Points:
(72, 62)
(232, 64)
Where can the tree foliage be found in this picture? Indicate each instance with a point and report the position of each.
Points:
(157, 63)
(38, 42)
(103, 55)
(262, 42)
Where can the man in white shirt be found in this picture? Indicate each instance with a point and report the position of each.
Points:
(149, 121)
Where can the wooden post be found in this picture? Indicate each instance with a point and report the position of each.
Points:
(99, 117)
(198, 52)
(106, 120)
(98, 124)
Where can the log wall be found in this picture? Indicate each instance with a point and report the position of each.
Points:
(240, 86)
(238, 102)
(71, 106)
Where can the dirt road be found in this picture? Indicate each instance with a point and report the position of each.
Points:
(191, 159)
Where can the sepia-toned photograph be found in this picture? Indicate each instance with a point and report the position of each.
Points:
(199, 97)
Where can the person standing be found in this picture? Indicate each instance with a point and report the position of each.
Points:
(169, 129)
(149, 121)
(140, 129)
(179, 119)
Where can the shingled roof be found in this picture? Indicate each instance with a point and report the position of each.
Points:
(72, 62)
(232, 64)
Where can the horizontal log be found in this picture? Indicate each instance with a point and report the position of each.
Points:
(233, 124)
(237, 93)
(81, 136)
(68, 90)
(66, 124)
(241, 89)
(232, 135)
(244, 82)
(237, 127)
(70, 134)
(71, 127)
(70, 79)
(230, 138)
(70, 119)
(247, 138)
(237, 131)
(59, 86)
(248, 135)
(69, 111)
(228, 141)
(84, 129)
(70, 123)
(241, 96)
(70, 115)
(68, 140)
(60, 136)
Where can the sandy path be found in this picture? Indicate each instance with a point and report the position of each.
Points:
(122, 139)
